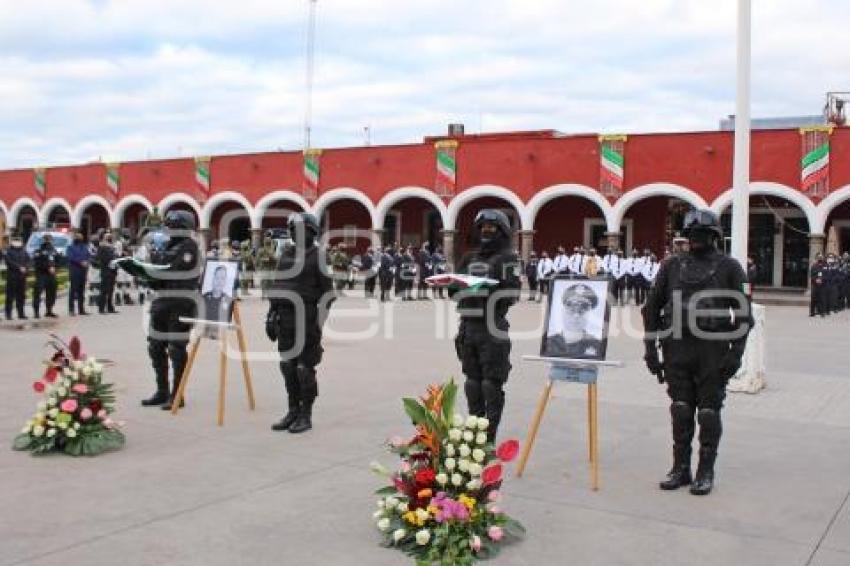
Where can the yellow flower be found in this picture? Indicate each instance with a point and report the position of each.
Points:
(433, 510)
(468, 501)
(410, 517)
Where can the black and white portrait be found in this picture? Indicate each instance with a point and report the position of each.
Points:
(577, 321)
(219, 283)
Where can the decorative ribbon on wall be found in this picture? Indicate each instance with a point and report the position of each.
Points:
(611, 164)
(202, 174)
(312, 170)
(814, 165)
(113, 178)
(446, 182)
(39, 176)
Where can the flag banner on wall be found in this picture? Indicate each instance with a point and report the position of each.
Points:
(611, 164)
(39, 175)
(202, 174)
(113, 177)
(446, 182)
(312, 170)
(814, 165)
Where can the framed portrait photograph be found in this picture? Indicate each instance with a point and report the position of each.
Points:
(218, 290)
(577, 319)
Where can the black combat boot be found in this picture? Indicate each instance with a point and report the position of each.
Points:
(293, 393)
(177, 354)
(494, 398)
(710, 430)
(289, 419)
(309, 388)
(682, 417)
(160, 368)
(303, 421)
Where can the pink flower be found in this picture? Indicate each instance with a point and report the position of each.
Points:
(101, 414)
(495, 510)
(508, 450)
(405, 467)
(495, 495)
(475, 543)
(492, 474)
(38, 386)
(69, 405)
(85, 414)
(80, 388)
(495, 533)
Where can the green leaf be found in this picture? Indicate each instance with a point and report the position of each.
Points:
(388, 490)
(449, 398)
(415, 411)
(514, 528)
(22, 442)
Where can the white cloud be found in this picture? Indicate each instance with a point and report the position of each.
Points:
(128, 79)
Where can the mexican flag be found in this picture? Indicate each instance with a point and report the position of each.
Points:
(463, 282)
(136, 268)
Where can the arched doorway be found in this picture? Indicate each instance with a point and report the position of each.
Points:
(26, 221)
(93, 217)
(464, 241)
(58, 215)
(276, 214)
(347, 222)
(412, 221)
(571, 221)
(133, 218)
(167, 205)
(230, 220)
(653, 222)
(778, 241)
(838, 227)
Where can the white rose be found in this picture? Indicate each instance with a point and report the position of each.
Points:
(468, 435)
(377, 514)
(61, 391)
(463, 465)
(442, 479)
(76, 364)
(475, 470)
(454, 435)
(383, 525)
(483, 424)
(391, 502)
(422, 514)
(53, 413)
(380, 504)
(51, 423)
(63, 425)
(399, 534)
(71, 432)
(26, 429)
(66, 382)
(51, 401)
(40, 415)
(38, 430)
(464, 451)
(457, 421)
(76, 426)
(41, 406)
(472, 485)
(422, 537)
(402, 507)
(481, 438)
(457, 480)
(51, 432)
(97, 367)
(450, 464)
(478, 455)
(471, 422)
(450, 450)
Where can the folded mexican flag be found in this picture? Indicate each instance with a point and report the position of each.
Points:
(136, 268)
(460, 281)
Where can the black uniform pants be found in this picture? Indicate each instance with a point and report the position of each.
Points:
(78, 288)
(107, 288)
(817, 302)
(543, 285)
(15, 294)
(369, 285)
(168, 337)
(386, 282)
(532, 288)
(485, 360)
(46, 283)
(619, 288)
(300, 346)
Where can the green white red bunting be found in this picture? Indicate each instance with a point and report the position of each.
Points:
(112, 177)
(815, 166)
(39, 175)
(202, 173)
(312, 169)
(446, 182)
(611, 164)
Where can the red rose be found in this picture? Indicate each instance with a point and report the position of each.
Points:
(38, 386)
(491, 474)
(425, 477)
(508, 450)
(95, 406)
(51, 374)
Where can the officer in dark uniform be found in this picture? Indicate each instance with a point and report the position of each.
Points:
(408, 274)
(423, 262)
(574, 341)
(367, 265)
(78, 258)
(105, 255)
(531, 276)
(832, 278)
(17, 267)
(44, 262)
(482, 341)
(701, 345)
(385, 273)
(176, 296)
(438, 264)
(301, 295)
(817, 276)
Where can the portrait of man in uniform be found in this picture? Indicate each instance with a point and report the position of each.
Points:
(577, 321)
(217, 290)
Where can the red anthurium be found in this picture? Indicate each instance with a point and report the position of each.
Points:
(38, 386)
(491, 474)
(508, 450)
(51, 374)
(425, 477)
(74, 347)
(96, 405)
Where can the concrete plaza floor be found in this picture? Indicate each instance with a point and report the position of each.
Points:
(184, 491)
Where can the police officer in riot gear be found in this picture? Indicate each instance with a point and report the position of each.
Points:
(702, 346)
(301, 293)
(482, 341)
(44, 262)
(176, 297)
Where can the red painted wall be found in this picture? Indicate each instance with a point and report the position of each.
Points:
(560, 223)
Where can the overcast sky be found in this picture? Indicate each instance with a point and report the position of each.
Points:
(127, 79)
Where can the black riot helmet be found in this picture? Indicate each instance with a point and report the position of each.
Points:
(701, 220)
(503, 229)
(303, 223)
(179, 220)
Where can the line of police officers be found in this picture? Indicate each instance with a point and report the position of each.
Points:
(830, 284)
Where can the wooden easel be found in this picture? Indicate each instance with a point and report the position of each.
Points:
(222, 372)
(592, 414)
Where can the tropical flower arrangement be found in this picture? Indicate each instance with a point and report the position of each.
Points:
(443, 506)
(73, 416)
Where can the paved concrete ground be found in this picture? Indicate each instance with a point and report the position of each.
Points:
(184, 491)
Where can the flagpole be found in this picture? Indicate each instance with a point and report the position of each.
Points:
(308, 95)
(741, 164)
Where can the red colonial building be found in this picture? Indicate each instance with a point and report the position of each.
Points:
(590, 190)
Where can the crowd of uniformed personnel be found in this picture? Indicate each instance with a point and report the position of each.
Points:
(830, 284)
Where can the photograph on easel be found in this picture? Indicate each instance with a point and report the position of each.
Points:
(577, 319)
(218, 289)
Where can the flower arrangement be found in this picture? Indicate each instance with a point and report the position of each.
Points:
(73, 417)
(443, 506)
